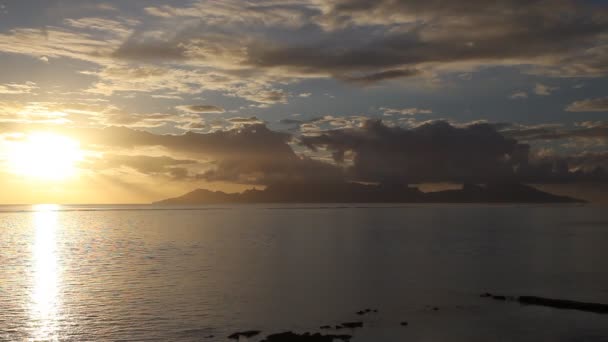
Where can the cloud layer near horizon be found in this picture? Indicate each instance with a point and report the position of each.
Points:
(435, 151)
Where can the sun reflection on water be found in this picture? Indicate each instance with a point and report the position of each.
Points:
(45, 299)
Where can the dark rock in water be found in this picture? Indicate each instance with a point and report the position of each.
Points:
(554, 303)
(210, 336)
(493, 296)
(325, 327)
(338, 327)
(352, 325)
(435, 309)
(564, 304)
(366, 311)
(306, 337)
(404, 323)
(248, 333)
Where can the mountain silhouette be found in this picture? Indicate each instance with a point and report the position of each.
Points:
(346, 192)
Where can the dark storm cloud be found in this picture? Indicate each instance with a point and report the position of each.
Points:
(273, 170)
(394, 38)
(372, 41)
(432, 152)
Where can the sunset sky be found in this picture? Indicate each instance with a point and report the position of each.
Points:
(139, 100)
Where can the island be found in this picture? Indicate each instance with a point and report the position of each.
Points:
(351, 192)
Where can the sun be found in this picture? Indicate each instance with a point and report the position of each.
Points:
(44, 156)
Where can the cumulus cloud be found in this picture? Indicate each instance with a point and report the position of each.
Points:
(589, 105)
(432, 152)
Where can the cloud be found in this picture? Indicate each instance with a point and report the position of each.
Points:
(589, 105)
(519, 95)
(148, 165)
(114, 27)
(369, 151)
(377, 40)
(384, 75)
(543, 90)
(149, 120)
(17, 89)
(405, 111)
(267, 96)
(166, 97)
(251, 50)
(288, 14)
(245, 121)
(432, 152)
(247, 154)
(549, 132)
(200, 109)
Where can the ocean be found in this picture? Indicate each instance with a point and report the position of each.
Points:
(153, 273)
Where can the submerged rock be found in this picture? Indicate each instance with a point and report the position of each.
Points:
(564, 304)
(366, 311)
(352, 325)
(248, 333)
(553, 303)
(404, 323)
(493, 296)
(305, 337)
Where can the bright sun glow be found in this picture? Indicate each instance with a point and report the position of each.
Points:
(45, 156)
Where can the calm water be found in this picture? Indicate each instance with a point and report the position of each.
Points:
(100, 274)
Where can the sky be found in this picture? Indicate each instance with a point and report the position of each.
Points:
(139, 100)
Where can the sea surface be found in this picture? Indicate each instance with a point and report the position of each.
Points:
(146, 273)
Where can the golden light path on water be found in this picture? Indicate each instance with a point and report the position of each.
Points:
(45, 300)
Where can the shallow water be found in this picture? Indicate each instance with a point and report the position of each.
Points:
(134, 273)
